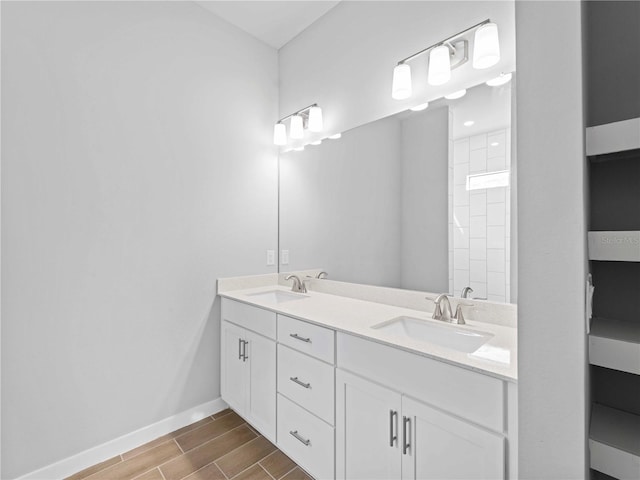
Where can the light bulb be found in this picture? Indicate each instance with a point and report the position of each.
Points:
(501, 80)
(335, 136)
(456, 95)
(296, 130)
(486, 46)
(419, 108)
(401, 88)
(439, 66)
(315, 119)
(280, 134)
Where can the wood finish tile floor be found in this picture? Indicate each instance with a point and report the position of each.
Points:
(220, 447)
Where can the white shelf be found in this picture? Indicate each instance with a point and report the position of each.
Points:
(615, 344)
(613, 137)
(614, 442)
(620, 246)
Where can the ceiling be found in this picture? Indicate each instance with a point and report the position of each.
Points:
(273, 22)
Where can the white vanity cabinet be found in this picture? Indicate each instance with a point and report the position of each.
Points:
(248, 364)
(455, 430)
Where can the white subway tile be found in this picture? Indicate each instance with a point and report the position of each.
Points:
(496, 214)
(460, 237)
(496, 260)
(495, 237)
(478, 271)
(478, 249)
(461, 259)
(461, 151)
(478, 141)
(496, 284)
(461, 216)
(478, 227)
(478, 161)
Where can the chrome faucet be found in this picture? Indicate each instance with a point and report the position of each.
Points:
(443, 311)
(298, 285)
(466, 291)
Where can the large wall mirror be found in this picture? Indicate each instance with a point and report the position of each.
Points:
(420, 200)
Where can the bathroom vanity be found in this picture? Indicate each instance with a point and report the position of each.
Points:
(352, 388)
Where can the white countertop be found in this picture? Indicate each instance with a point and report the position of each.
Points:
(497, 357)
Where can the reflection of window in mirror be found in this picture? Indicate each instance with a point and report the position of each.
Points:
(480, 203)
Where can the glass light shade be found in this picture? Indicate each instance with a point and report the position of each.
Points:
(280, 134)
(456, 95)
(401, 88)
(439, 66)
(419, 108)
(296, 130)
(501, 80)
(486, 46)
(315, 119)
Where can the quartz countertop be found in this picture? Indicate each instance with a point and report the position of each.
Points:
(497, 357)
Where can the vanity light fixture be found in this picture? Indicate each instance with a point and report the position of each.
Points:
(419, 108)
(500, 80)
(449, 54)
(309, 117)
(335, 136)
(456, 95)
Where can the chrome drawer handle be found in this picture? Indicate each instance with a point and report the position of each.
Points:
(392, 435)
(298, 337)
(302, 384)
(405, 435)
(297, 436)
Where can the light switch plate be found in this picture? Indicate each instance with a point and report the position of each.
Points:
(271, 257)
(285, 257)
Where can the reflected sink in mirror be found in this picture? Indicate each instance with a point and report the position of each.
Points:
(276, 296)
(445, 335)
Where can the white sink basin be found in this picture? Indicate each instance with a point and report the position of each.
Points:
(277, 296)
(445, 335)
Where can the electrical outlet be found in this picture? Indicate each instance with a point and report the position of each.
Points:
(285, 257)
(271, 258)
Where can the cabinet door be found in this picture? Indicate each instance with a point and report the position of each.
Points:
(444, 447)
(234, 369)
(261, 412)
(367, 435)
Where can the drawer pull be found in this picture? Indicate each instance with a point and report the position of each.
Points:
(297, 436)
(405, 435)
(393, 436)
(298, 337)
(302, 384)
(244, 350)
(239, 349)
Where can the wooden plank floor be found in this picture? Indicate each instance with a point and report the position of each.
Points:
(220, 447)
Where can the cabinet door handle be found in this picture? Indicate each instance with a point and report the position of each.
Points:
(405, 435)
(301, 439)
(393, 436)
(244, 350)
(302, 384)
(298, 337)
(239, 349)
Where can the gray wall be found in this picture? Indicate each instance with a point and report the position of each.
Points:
(612, 54)
(137, 167)
(424, 253)
(551, 242)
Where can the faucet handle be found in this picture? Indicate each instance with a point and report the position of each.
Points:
(458, 317)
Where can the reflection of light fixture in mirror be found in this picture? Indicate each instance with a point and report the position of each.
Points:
(486, 46)
(299, 149)
(494, 144)
(449, 54)
(280, 134)
(456, 95)
(317, 142)
(401, 87)
(500, 80)
(439, 66)
(309, 117)
(488, 180)
(419, 108)
(296, 128)
(469, 123)
(335, 136)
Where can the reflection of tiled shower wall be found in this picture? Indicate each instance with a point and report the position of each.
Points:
(479, 235)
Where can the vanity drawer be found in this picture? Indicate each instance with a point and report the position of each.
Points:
(307, 338)
(307, 381)
(252, 318)
(306, 439)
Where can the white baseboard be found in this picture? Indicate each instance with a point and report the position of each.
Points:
(100, 453)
